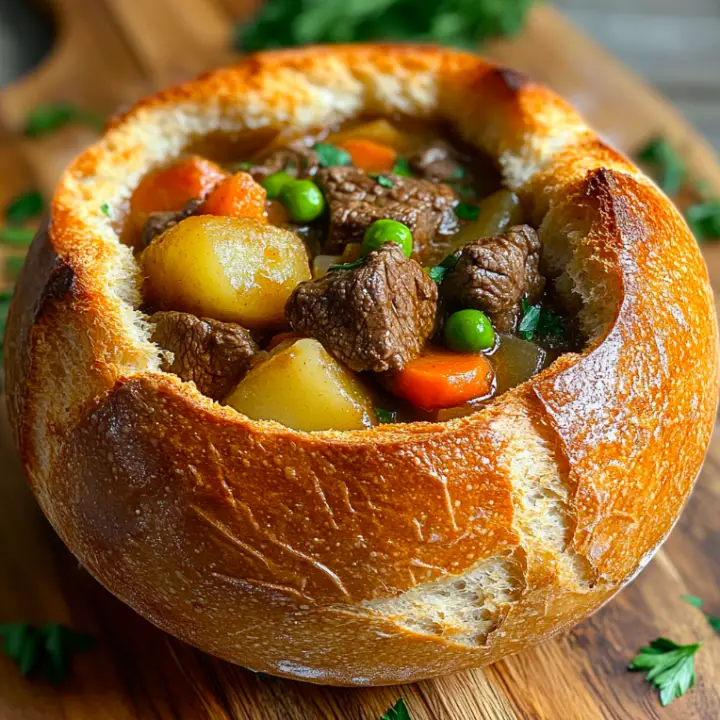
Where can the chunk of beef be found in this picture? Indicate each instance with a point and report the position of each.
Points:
(356, 200)
(158, 222)
(214, 355)
(437, 163)
(376, 316)
(297, 159)
(494, 273)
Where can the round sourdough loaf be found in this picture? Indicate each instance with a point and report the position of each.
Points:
(403, 551)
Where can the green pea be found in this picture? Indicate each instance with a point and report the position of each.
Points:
(303, 200)
(275, 183)
(384, 231)
(469, 331)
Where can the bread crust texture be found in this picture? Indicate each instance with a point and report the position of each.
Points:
(404, 551)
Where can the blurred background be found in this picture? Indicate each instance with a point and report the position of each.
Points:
(674, 44)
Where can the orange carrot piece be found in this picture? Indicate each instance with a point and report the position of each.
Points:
(168, 189)
(369, 155)
(442, 379)
(236, 196)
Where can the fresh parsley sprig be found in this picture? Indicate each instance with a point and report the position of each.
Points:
(47, 118)
(670, 667)
(463, 23)
(664, 164)
(46, 650)
(398, 711)
(696, 602)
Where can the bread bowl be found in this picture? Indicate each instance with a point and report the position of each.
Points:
(396, 552)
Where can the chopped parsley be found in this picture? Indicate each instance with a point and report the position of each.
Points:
(398, 711)
(465, 211)
(704, 219)
(348, 265)
(244, 165)
(670, 667)
(45, 651)
(383, 180)
(384, 416)
(331, 155)
(402, 167)
(17, 236)
(438, 272)
(663, 163)
(458, 173)
(24, 207)
(538, 321)
(463, 23)
(45, 119)
(105, 209)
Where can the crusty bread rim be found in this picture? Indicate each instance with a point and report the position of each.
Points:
(477, 535)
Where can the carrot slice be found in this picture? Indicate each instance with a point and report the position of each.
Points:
(236, 196)
(369, 155)
(168, 189)
(443, 379)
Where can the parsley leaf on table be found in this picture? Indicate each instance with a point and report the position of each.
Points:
(17, 236)
(45, 119)
(398, 711)
(331, 155)
(704, 219)
(464, 23)
(670, 667)
(697, 602)
(663, 163)
(47, 650)
(24, 207)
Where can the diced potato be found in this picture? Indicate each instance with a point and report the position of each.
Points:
(234, 269)
(304, 388)
(497, 212)
(516, 361)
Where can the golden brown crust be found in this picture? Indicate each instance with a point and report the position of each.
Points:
(398, 552)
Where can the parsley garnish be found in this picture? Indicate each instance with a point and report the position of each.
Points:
(384, 416)
(105, 209)
(13, 266)
(670, 667)
(18, 236)
(24, 207)
(697, 602)
(331, 155)
(458, 173)
(46, 650)
(348, 265)
(244, 165)
(465, 211)
(398, 711)
(402, 168)
(383, 180)
(45, 119)
(704, 219)
(539, 321)
(438, 272)
(285, 23)
(663, 163)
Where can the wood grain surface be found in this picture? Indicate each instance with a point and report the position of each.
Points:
(109, 53)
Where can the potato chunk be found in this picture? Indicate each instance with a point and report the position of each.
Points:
(233, 269)
(303, 387)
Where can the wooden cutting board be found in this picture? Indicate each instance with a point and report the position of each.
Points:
(111, 51)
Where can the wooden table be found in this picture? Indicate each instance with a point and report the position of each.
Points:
(110, 52)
